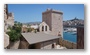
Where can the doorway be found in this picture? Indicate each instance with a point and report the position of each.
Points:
(33, 46)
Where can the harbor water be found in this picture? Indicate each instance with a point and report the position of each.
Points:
(70, 36)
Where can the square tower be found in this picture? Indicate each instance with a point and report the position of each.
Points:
(10, 20)
(55, 21)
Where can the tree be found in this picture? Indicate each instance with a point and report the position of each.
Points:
(14, 35)
(15, 31)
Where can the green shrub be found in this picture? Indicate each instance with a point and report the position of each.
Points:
(15, 32)
(14, 35)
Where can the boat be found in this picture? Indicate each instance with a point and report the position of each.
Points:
(74, 33)
(70, 30)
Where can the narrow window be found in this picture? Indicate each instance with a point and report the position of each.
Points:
(45, 28)
(42, 28)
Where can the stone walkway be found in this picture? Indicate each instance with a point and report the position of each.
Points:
(14, 45)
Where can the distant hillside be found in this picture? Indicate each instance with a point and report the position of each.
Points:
(74, 22)
(32, 23)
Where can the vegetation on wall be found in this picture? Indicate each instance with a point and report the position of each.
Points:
(15, 31)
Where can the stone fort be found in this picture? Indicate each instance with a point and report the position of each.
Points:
(54, 19)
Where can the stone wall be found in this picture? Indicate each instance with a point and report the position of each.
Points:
(57, 23)
(41, 45)
(38, 45)
(68, 44)
(10, 20)
(48, 44)
(46, 17)
(5, 17)
(14, 45)
(6, 37)
(23, 43)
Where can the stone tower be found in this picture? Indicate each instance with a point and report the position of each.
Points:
(6, 37)
(55, 21)
(10, 20)
(5, 16)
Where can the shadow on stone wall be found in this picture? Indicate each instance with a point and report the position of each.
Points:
(68, 44)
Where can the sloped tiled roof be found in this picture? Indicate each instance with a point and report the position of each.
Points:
(38, 37)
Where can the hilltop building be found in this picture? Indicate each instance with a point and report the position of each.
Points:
(73, 22)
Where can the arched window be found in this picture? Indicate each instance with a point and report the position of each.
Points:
(45, 28)
(42, 28)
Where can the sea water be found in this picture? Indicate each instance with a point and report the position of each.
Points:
(70, 36)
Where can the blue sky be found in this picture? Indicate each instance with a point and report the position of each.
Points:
(33, 12)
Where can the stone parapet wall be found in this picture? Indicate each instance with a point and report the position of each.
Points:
(68, 44)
